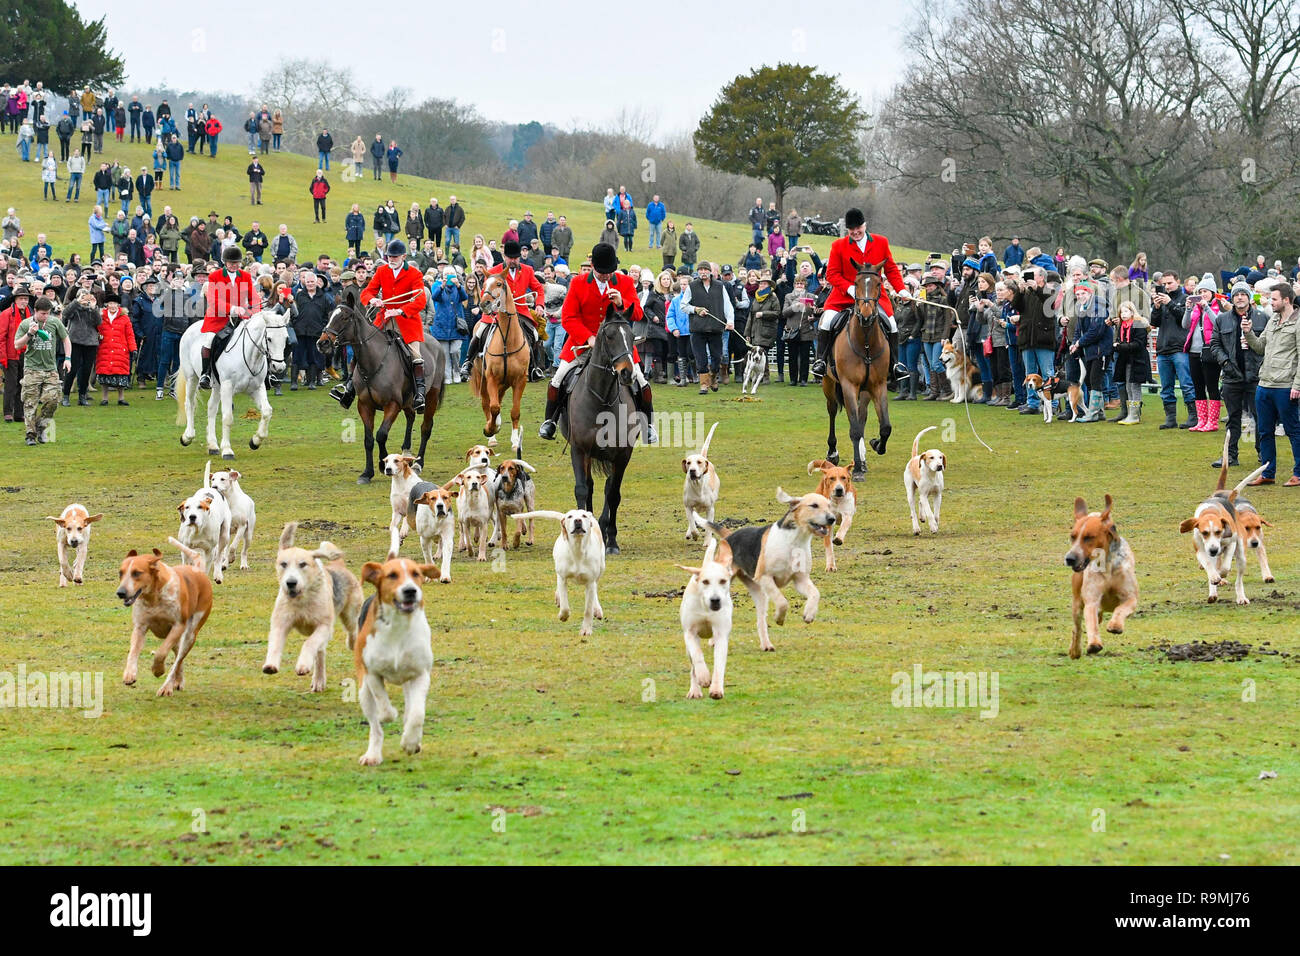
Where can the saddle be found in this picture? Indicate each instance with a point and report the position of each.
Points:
(389, 328)
(219, 343)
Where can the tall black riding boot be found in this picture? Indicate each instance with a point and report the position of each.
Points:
(205, 378)
(537, 371)
(344, 393)
(824, 339)
(547, 430)
(475, 346)
(896, 369)
(646, 406)
(419, 388)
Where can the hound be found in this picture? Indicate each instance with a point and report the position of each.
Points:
(474, 511)
(405, 472)
(836, 487)
(433, 520)
(768, 557)
(579, 555)
(1217, 537)
(243, 513)
(479, 456)
(315, 589)
(700, 489)
(962, 374)
(73, 532)
(923, 481)
(706, 612)
(513, 491)
(1250, 524)
(755, 369)
(395, 646)
(205, 526)
(1105, 575)
(1048, 390)
(173, 603)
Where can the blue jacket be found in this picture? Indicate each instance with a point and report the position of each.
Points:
(34, 255)
(1091, 331)
(655, 212)
(545, 232)
(354, 227)
(677, 320)
(1014, 255)
(625, 221)
(446, 307)
(1044, 261)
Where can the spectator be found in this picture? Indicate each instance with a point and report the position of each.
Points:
(355, 229)
(455, 219)
(256, 173)
(562, 240)
(546, 231)
(689, 246)
(1202, 313)
(284, 247)
(212, 128)
(414, 227)
(610, 203)
(277, 131)
(394, 156)
(527, 230)
(1014, 254)
(26, 134)
(148, 120)
(49, 179)
(775, 239)
(655, 214)
(64, 129)
(102, 181)
(1035, 328)
(312, 307)
(449, 303)
(175, 320)
(97, 229)
(125, 188)
(1091, 343)
(772, 219)
(319, 189)
(678, 322)
(1239, 366)
(1168, 317)
(609, 235)
(1132, 358)
(668, 245)
(800, 316)
(377, 154)
(793, 225)
(175, 153)
(1137, 272)
(117, 350)
(324, 144)
(81, 317)
(358, 150)
(433, 222)
(37, 336)
(512, 232)
(756, 220)
(1278, 395)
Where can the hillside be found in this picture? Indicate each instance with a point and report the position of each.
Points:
(220, 184)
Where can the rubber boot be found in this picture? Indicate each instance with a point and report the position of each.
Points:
(1134, 414)
(1171, 416)
(205, 378)
(646, 406)
(1201, 410)
(1212, 416)
(1120, 415)
(713, 381)
(547, 430)
(418, 403)
(932, 394)
(1191, 416)
(823, 350)
(704, 383)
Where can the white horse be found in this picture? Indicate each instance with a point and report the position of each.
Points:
(259, 340)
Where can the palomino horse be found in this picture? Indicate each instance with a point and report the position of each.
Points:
(241, 369)
(380, 379)
(860, 372)
(503, 363)
(601, 422)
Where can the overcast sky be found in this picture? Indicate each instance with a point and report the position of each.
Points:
(516, 60)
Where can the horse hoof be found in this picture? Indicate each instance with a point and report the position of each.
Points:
(877, 446)
(612, 549)
(185, 442)
(363, 479)
(213, 451)
(228, 456)
(253, 444)
(859, 474)
(833, 457)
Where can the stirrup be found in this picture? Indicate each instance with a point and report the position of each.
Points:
(547, 430)
(205, 381)
(464, 369)
(343, 393)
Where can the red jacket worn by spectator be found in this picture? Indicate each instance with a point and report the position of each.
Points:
(10, 319)
(116, 343)
(585, 307)
(406, 290)
(521, 283)
(842, 270)
(222, 295)
(213, 127)
(319, 187)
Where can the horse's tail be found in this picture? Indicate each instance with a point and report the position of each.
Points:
(182, 381)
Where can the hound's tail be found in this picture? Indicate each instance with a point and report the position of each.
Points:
(182, 383)
(557, 515)
(192, 557)
(1241, 485)
(916, 442)
(1223, 472)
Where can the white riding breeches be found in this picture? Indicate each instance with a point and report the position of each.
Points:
(830, 315)
(638, 376)
(206, 339)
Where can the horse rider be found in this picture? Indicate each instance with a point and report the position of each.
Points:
(521, 280)
(231, 295)
(858, 247)
(402, 285)
(584, 310)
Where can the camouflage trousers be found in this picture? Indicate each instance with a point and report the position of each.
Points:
(41, 394)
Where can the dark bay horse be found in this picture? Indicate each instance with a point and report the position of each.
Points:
(601, 423)
(380, 379)
(860, 372)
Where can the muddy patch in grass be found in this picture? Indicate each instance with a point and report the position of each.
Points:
(1215, 651)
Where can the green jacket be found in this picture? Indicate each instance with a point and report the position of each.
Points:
(1279, 343)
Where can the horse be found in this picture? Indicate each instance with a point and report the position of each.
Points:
(860, 373)
(380, 379)
(601, 423)
(259, 341)
(503, 363)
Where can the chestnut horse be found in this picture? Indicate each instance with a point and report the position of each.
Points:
(503, 363)
(860, 372)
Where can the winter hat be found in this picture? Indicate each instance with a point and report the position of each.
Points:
(932, 280)
(971, 263)
(1076, 262)
(1240, 287)
(1206, 284)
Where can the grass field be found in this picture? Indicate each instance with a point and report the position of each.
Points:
(585, 750)
(221, 184)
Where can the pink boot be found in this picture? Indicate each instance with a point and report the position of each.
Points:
(1212, 416)
(1201, 416)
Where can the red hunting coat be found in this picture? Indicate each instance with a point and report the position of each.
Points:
(407, 287)
(524, 281)
(585, 307)
(842, 270)
(222, 295)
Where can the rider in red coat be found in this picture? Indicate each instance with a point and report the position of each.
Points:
(584, 310)
(403, 286)
(858, 247)
(522, 280)
(230, 294)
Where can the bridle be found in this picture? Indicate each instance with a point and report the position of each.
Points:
(359, 333)
(262, 348)
(866, 310)
(609, 393)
